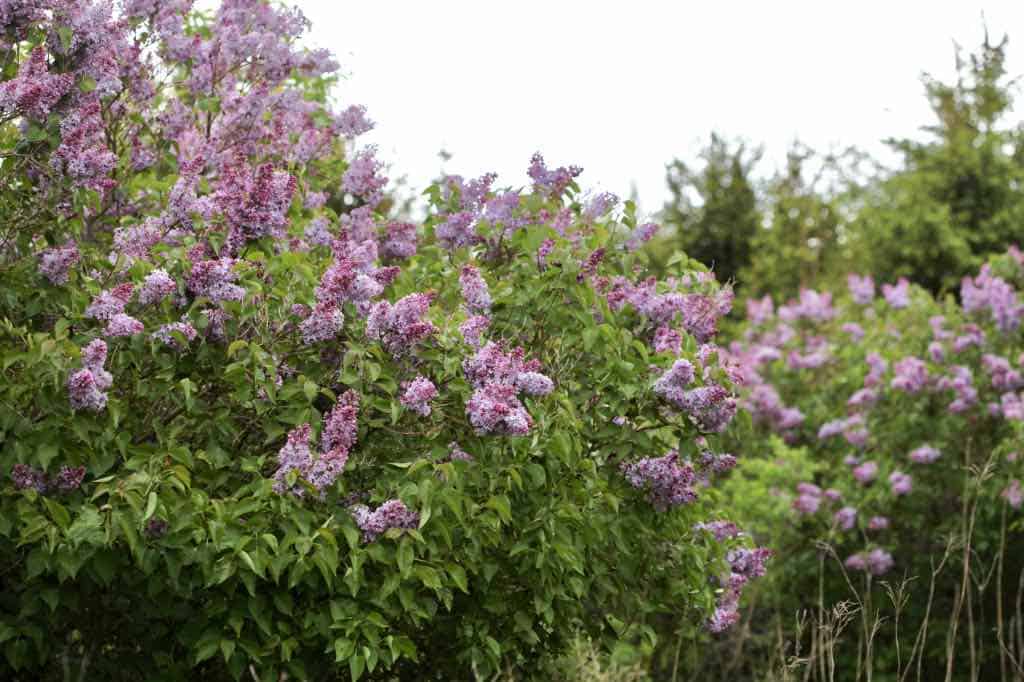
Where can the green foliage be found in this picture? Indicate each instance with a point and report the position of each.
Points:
(957, 197)
(714, 210)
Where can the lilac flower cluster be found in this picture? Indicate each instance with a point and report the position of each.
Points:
(336, 442)
(400, 327)
(812, 305)
(157, 286)
(994, 294)
(363, 178)
(417, 394)
(87, 387)
(68, 479)
(55, 263)
(668, 482)
(876, 562)
(744, 566)
(924, 454)
(911, 375)
(254, 201)
(862, 288)
(551, 182)
(497, 378)
(391, 514)
(897, 295)
(475, 294)
(215, 279)
(166, 334)
(34, 91)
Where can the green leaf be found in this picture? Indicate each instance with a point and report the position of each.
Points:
(405, 556)
(151, 502)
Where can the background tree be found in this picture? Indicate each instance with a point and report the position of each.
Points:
(714, 208)
(957, 197)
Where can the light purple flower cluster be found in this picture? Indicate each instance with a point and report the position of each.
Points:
(55, 263)
(897, 295)
(744, 566)
(720, 530)
(215, 279)
(399, 241)
(34, 91)
(475, 294)
(911, 375)
(400, 327)
(417, 394)
(110, 302)
(671, 386)
(157, 286)
(391, 514)
(353, 122)
(961, 382)
(641, 235)
(812, 305)
(877, 562)
(866, 472)
(551, 182)
(766, 406)
(255, 201)
(808, 499)
(87, 387)
(166, 334)
(1014, 494)
(362, 178)
(497, 378)
(900, 483)
(473, 328)
(1004, 376)
(83, 155)
(67, 479)
(988, 292)
(924, 454)
(336, 442)
(862, 288)
(846, 518)
(600, 205)
(669, 483)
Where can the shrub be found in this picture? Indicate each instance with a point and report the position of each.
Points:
(910, 409)
(254, 425)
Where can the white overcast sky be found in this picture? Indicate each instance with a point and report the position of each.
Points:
(621, 88)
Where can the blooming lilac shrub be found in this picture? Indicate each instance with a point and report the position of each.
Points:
(912, 422)
(253, 421)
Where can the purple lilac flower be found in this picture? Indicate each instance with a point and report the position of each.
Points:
(69, 478)
(866, 473)
(641, 235)
(494, 409)
(110, 302)
(898, 295)
(417, 394)
(901, 483)
(924, 454)
(215, 279)
(323, 323)
(55, 263)
(401, 327)
(165, 334)
(123, 325)
(878, 523)
(552, 182)
(399, 241)
(87, 386)
(474, 291)
(668, 482)
(352, 122)
(911, 375)
(26, 477)
(862, 288)
(855, 331)
(1014, 494)
(34, 91)
(362, 177)
(988, 292)
(846, 517)
(473, 328)
(157, 286)
(391, 514)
